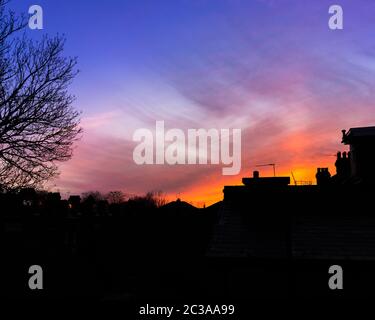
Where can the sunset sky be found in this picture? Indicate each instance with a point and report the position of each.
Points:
(272, 68)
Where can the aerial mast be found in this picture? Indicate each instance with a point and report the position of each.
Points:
(269, 165)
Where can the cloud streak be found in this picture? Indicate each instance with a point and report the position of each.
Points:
(271, 68)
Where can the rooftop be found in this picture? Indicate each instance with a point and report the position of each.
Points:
(356, 133)
(256, 180)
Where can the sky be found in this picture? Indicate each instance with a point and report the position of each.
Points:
(272, 68)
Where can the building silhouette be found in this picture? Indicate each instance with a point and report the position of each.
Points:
(362, 154)
(297, 230)
(266, 239)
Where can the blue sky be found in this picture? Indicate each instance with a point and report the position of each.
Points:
(272, 68)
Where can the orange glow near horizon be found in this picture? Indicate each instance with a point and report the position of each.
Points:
(206, 195)
(296, 151)
(281, 76)
(210, 194)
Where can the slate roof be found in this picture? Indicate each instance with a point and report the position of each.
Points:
(304, 231)
(349, 238)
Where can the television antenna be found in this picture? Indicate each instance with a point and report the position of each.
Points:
(294, 179)
(268, 165)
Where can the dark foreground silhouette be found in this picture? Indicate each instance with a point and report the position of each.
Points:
(266, 239)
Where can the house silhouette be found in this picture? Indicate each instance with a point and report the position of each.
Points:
(267, 238)
(362, 154)
(294, 230)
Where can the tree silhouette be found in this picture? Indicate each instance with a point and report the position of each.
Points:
(155, 198)
(94, 196)
(115, 197)
(38, 124)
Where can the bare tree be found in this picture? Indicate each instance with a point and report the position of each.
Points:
(115, 197)
(157, 197)
(94, 196)
(38, 124)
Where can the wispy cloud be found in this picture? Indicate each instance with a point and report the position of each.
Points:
(271, 68)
